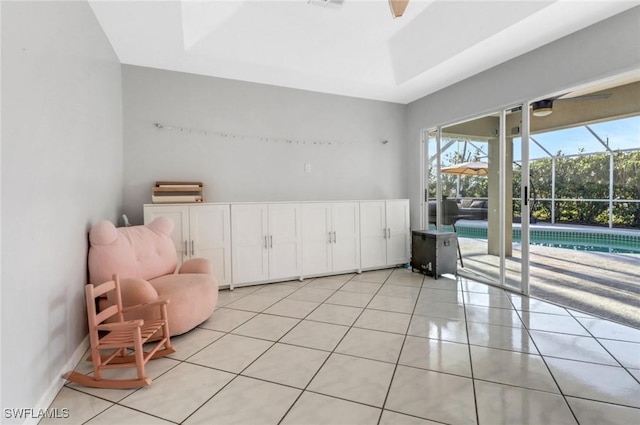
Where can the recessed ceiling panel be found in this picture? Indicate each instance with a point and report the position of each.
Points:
(348, 47)
(141, 32)
(447, 28)
(201, 18)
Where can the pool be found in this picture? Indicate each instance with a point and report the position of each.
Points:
(579, 238)
(612, 248)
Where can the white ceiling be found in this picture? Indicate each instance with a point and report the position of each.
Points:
(354, 48)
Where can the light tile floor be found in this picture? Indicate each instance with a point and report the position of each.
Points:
(387, 347)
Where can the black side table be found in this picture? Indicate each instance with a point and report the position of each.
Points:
(434, 252)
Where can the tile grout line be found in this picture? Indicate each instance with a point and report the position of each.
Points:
(196, 364)
(513, 308)
(300, 321)
(564, 397)
(466, 328)
(327, 358)
(239, 373)
(605, 348)
(352, 326)
(404, 340)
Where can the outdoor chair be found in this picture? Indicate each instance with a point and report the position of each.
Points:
(450, 215)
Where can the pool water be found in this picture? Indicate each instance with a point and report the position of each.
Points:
(591, 248)
(579, 240)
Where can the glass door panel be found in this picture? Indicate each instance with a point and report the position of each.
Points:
(469, 191)
(473, 186)
(517, 194)
(429, 177)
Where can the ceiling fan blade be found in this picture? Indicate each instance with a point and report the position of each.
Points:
(398, 7)
(553, 100)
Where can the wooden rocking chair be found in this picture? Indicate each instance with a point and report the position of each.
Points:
(120, 336)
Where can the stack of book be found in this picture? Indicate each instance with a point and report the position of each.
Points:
(170, 192)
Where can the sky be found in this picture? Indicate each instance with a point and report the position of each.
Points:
(621, 134)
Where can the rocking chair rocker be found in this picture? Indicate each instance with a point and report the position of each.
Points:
(121, 336)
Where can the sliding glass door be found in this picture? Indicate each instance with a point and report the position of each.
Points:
(474, 187)
(517, 200)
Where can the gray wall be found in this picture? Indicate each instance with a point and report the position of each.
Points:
(61, 172)
(258, 139)
(600, 51)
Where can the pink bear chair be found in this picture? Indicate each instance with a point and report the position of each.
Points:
(144, 258)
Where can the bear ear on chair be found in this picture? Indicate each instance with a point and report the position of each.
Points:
(162, 225)
(103, 233)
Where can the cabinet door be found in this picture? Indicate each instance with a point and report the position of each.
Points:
(345, 219)
(249, 234)
(285, 241)
(373, 242)
(179, 214)
(210, 233)
(316, 238)
(399, 232)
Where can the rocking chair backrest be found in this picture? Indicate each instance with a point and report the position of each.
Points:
(93, 292)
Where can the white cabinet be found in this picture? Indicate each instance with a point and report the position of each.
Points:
(399, 232)
(201, 231)
(385, 233)
(266, 242)
(330, 237)
(180, 216)
(250, 243)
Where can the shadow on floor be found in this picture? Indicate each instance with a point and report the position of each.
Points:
(602, 284)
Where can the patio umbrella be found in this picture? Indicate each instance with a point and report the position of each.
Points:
(474, 168)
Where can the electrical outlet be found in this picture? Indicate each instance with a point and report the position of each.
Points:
(307, 168)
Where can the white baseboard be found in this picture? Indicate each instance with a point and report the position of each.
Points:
(53, 390)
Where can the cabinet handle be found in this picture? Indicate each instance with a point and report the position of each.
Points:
(389, 231)
(271, 241)
(334, 237)
(384, 233)
(193, 250)
(265, 242)
(186, 248)
(330, 238)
